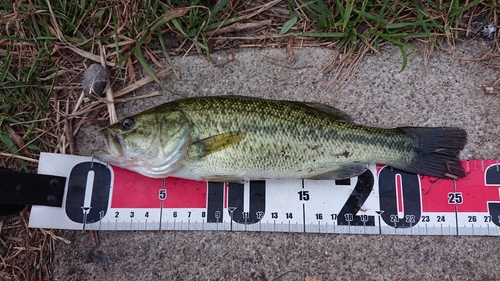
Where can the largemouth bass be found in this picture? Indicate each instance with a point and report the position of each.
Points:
(232, 138)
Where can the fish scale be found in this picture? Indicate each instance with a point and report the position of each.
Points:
(290, 129)
(231, 138)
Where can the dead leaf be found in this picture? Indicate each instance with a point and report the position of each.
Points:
(131, 70)
(240, 26)
(489, 90)
(18, 141)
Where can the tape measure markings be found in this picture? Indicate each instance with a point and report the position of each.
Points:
(381, 201)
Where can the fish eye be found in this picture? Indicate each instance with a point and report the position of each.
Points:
(128, 124)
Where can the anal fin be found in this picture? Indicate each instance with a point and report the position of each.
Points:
(342, 172)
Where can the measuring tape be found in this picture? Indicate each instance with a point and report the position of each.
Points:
(382, 200)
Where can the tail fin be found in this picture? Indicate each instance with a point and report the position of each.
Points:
(437, 151)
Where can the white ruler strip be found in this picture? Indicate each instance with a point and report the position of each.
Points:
(381, 201)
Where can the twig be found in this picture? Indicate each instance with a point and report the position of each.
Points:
(18, 157)
(140, 83)
(67, 130)
(109, 91)
(79, 102)
(153, 94)
(289, 49)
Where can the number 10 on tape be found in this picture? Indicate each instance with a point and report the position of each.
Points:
(380, 201)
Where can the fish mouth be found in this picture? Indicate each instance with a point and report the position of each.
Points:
(114, 147)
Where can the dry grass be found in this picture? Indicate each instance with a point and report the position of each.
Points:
(25, 254)
(45, 46)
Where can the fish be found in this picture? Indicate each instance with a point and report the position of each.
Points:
(235, 138)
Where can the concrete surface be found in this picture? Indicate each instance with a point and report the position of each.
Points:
(451, 94)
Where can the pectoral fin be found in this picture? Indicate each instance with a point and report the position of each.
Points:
(218, 142)
(342, 172)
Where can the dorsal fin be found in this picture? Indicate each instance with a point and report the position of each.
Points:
(323, 110)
